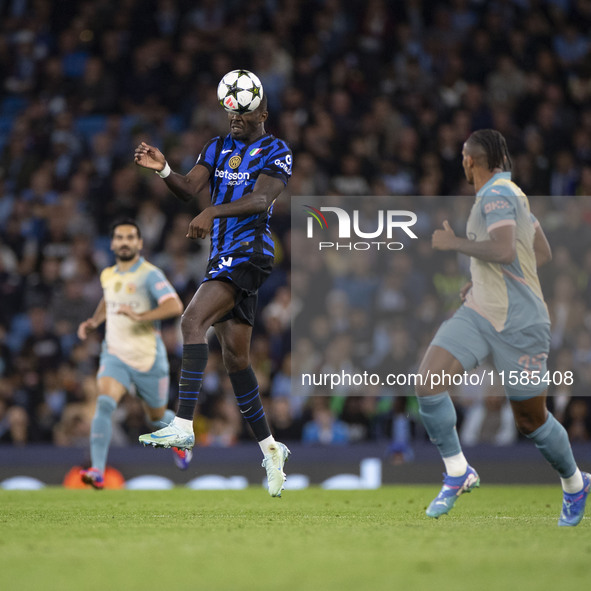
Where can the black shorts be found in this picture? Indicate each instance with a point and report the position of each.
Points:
(247, 273)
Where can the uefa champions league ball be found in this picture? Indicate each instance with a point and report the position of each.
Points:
(240, 91)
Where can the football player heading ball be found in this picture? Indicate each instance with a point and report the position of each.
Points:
(241, 91)
(246, 171)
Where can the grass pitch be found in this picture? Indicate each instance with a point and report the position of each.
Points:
(495, 538)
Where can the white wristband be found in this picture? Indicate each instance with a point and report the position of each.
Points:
(164, 172)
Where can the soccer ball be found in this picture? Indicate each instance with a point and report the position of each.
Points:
(240, 91)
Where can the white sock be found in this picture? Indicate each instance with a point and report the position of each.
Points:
(456, 465)
(184, 424)
(573, 484)
(266, 443)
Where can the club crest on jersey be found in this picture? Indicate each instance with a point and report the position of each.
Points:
(118, 286)
(234, 162)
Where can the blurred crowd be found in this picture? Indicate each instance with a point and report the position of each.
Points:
(373, 97)
(376, 311)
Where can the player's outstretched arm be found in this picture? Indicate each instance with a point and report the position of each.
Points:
(501, 248)
(99, 316)
(266, 190)
(185, 187)
(542, 248)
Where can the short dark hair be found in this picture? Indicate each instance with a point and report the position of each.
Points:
(495, 147)
(125, 222)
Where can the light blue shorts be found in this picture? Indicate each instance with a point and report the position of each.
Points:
(151, 386)
(470, 338)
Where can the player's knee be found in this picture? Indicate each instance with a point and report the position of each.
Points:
(185, 325)
(234, 364)
(527, 424)
(423, 390)
(424, 387)
(235, 360)
(192, 329)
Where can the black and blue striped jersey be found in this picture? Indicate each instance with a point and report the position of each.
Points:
(234, 168)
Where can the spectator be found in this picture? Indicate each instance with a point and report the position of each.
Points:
(324, 428)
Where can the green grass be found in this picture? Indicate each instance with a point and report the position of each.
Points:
(498, 538)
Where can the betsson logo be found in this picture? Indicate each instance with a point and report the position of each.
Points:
(386, 221)
(233, 176)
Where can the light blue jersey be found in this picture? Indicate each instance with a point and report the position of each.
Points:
(133, 352)
(504, 315)
(508, 296)
(143, 287)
